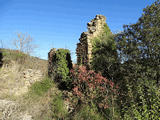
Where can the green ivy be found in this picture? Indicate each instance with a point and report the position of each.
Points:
(62, 64)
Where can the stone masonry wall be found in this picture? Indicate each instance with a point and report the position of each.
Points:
(51, 68)
(56, 57)
(84, 47)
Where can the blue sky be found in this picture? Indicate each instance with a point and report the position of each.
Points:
(59, 23)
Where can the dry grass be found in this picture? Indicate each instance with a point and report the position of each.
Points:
(39, 100)
(24, 60)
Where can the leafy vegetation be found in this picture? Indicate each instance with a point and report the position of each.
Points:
(105, 57)
(58, 108)
(94, 90)
(129, 63)
(123, 82)
(131, 59)
(62, 64)
(41, 87)
(14, 55)
(88, 113)
(24, 60)
(138, 47)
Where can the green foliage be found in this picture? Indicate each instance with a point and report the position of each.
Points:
(138, 47)
(1, 57)
(139, 43)
(131, 58)
(106, 32)
(92, 88)
(104, 54)
(41, 87)
(15, 55)
(62, 64)
(88, 113)
(58, 109)
(143, 106)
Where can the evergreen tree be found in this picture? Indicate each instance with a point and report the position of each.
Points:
(104, 54)
(139, 44)
(138, 47)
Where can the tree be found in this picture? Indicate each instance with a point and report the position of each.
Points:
(139, 44)
(104, 54)
(138, 47)
(24, 43)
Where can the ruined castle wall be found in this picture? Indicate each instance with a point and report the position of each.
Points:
(59, 63)
(51, 60)
(84, 47)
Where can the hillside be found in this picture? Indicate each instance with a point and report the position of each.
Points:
(20, 76)
(116, 76)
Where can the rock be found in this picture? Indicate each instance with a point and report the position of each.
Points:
(69, 103)
(10, 110)
(14, 82)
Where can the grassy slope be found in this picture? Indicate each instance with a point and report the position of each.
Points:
(39, 100)
(44, 100)
(23, 59)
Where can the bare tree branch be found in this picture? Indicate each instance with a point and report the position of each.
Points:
(24, 43)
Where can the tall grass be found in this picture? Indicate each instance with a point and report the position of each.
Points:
(59, 111)
(41, 87)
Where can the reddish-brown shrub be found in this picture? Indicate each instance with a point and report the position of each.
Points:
(91, 87)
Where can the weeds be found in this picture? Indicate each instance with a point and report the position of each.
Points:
(41, 87)
(58, 108)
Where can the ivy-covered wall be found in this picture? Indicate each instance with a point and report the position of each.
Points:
(84, 47)
(59, 65)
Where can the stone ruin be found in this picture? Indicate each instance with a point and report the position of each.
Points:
(52, 62)
(84, 47)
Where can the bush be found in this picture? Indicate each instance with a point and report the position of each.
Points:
(59, 112)
(61, 63)
(88, 113)
(41, 87)
(92, 88)
(138, 48)
(104, 57)
(104, 54)
(144, 103)
(15, 55)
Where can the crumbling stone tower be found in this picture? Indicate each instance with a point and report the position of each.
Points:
(59, 63)
(84, 48)
(51, 60)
